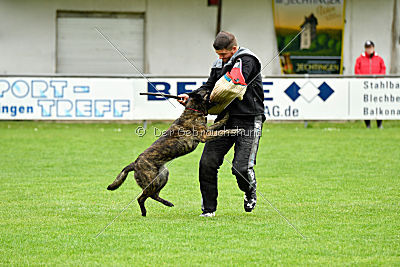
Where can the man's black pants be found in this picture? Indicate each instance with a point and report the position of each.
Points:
(246, 146)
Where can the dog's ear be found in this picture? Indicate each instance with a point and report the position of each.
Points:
(204, 95)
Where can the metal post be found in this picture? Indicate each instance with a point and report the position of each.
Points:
(219, 17)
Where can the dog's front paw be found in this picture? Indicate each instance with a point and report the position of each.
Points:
(225, 118)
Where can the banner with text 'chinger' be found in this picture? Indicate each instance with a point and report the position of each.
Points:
(318, 49)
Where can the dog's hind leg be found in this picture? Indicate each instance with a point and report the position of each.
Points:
(156, 197)
(141, 201)
(162, 181)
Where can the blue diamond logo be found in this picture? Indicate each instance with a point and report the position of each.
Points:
(325, 91)
(293, 91)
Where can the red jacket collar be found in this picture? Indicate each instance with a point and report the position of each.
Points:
(365, 55)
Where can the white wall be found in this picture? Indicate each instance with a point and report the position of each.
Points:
(367, 20)
(253, 25)
(179, 37)
(179, 33)
(395, 57)
(28, 30)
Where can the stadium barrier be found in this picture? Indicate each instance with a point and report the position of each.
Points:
(296, 97)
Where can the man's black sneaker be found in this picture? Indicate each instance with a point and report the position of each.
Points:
(250, 200)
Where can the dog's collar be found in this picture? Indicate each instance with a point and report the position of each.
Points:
(197, 111)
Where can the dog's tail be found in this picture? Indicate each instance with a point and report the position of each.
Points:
(121, 177)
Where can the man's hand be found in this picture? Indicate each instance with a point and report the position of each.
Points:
(184, 98)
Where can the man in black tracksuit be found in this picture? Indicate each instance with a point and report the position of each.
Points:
(245, 114)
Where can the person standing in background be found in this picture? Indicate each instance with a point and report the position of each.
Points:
(369, 63)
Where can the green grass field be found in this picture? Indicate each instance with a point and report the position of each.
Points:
(337, 183)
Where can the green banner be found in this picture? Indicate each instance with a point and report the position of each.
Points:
(318, 48)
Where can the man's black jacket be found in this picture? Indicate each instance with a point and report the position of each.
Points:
(253, 100)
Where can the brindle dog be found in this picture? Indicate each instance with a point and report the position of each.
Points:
(181, 138)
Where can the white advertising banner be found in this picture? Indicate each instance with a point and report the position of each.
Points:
(305, 99)
(65, 99)
(332, 98)
(374, 98)
(47, 98)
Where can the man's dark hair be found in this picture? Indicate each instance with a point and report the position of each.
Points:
(224, 40)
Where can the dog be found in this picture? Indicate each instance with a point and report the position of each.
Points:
(181, 138)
